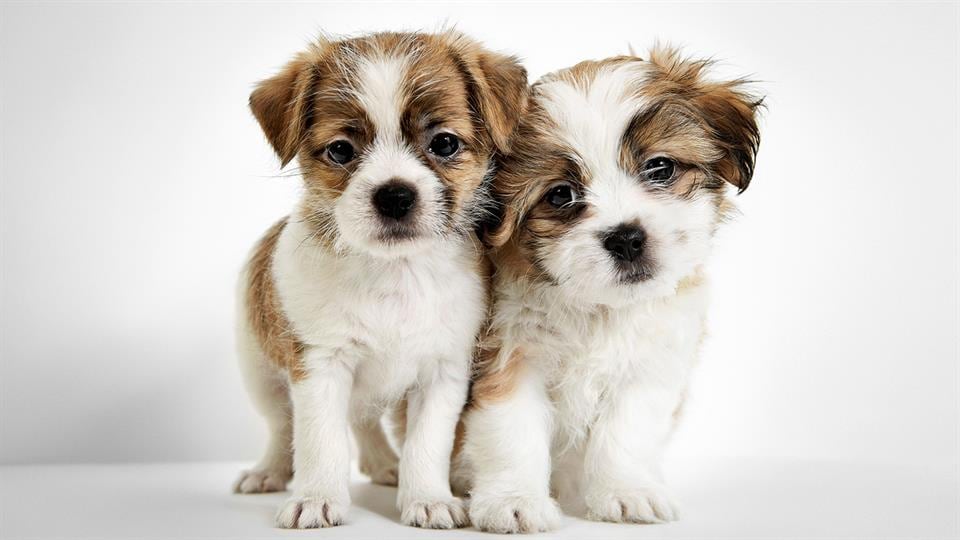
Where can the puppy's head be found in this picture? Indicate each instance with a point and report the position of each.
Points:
(618, 177)
(394, 134)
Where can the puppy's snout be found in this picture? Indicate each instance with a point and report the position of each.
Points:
(394, 200)
(625, 243)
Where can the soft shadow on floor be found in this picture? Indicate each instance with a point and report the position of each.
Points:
(381, 500)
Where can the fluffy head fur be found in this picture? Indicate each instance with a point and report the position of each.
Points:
(387, 96)
(598, 129)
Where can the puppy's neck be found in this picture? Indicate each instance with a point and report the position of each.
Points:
(557, 301)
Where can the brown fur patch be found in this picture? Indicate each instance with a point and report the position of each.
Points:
(724, 110)
(264, 312)
(496, 381)
(459, 438)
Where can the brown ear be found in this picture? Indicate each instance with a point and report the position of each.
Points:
(502, 95)
(727, 109)
(282, 106)
(731, 115)
(498, 85)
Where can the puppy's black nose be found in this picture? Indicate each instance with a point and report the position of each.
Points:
(394, 200)
(625, 243)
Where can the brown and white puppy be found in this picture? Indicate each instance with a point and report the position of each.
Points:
(371, 293)
(617, 182)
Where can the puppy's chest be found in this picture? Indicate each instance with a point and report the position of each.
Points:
(419, 310)
(428, 305)
(588, 361)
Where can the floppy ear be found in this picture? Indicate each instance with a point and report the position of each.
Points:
(727, 109)
(502, 93)
(731, 115)
(498, 88)
(282, 106)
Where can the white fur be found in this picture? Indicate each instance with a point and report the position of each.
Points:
(509, 451)
(606, 364)
(381, 321)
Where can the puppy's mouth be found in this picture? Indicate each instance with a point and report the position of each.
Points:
(397, 233)
(633, 276)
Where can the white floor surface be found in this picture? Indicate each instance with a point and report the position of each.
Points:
(720, 498)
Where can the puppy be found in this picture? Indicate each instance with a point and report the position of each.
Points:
(612, 195)
(371, 293)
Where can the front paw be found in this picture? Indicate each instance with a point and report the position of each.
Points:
(648, 504)
(310, 512)
(514, 514)
(434, 513)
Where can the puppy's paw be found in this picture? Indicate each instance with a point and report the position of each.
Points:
(262, 481)
(310, 512)
(444, 513)
(648, 504)
(385, 474)
(514, 514)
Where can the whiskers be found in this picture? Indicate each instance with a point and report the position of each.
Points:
(324, 229)
(294, 172)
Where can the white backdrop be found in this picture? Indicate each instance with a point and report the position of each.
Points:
(134, 180)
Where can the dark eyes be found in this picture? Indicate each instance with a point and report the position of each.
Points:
(560, 196)
(659, 170)
(444, 145)
(340, 152)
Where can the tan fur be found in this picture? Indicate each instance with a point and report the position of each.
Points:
(496, 380)
(264, 311)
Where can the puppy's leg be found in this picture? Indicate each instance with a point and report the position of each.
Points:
(269, 392)
(321, 444)
(622, 457)
(508, 445)
(424, 497)
(377, 458)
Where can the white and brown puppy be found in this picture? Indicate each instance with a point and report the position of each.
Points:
(615, 187)
(372, 292)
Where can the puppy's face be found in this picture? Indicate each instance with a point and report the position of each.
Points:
(618, 177)
(394, 135)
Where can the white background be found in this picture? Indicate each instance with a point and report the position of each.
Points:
(134, 180)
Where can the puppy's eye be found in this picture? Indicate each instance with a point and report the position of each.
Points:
(659, 170)
(560, 196)
(444, 145)
(340, 152)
